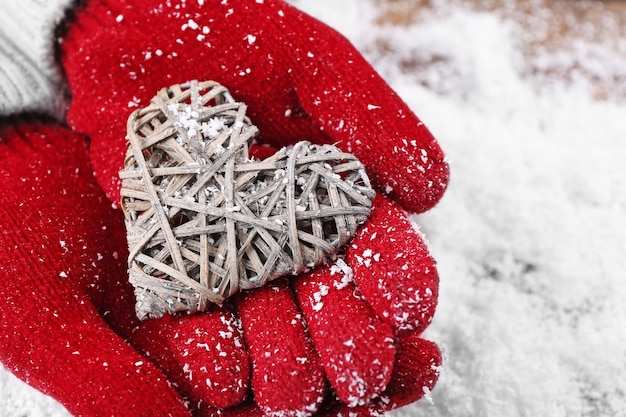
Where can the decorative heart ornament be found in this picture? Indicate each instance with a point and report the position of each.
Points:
(204, 220)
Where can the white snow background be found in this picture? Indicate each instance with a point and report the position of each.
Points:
(531, 235)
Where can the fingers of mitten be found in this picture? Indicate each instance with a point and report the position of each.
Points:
(287, 378)
(203, 355)
(415, 373)
(417, 367)
(116, 57)
(353, 105)
(356, 346)
(393, 268)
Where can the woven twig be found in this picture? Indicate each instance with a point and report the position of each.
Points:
(203, 220)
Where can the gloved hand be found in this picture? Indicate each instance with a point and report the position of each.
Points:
(116, 56)
(67, 325)
(300, 80)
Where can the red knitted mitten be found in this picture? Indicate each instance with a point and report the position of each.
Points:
(300, 80)
(69, 308)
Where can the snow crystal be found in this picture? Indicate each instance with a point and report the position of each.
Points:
(427, 395)
(323, 291)
(341, 267)
(135, 102)
(316, 301)
(192, 24)
(205, 346)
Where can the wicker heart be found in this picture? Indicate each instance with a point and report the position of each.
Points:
(204, 220)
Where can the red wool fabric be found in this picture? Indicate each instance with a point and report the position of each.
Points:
(57, 255)
(70, 305)
(299, 78)
(203, 355)
(405, 295)
(356, 346)
(341, 339)
(288, 377)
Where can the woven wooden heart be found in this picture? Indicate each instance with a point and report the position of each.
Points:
(204, 220)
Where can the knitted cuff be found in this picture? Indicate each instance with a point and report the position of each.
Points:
(30, 78)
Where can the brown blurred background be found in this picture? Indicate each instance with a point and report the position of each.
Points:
(547, 27)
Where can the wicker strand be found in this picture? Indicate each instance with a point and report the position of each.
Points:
(204, 221)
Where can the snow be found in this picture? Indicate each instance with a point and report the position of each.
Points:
(530, 236)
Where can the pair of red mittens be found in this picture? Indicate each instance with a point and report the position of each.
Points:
(353, 327)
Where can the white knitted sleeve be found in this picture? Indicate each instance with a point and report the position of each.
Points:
(30, 79)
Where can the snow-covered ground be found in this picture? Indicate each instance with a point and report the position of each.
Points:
(530, 237)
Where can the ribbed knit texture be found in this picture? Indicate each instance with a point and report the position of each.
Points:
(393, 269)
(30, 77)
(356, 347)
(287, 375)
